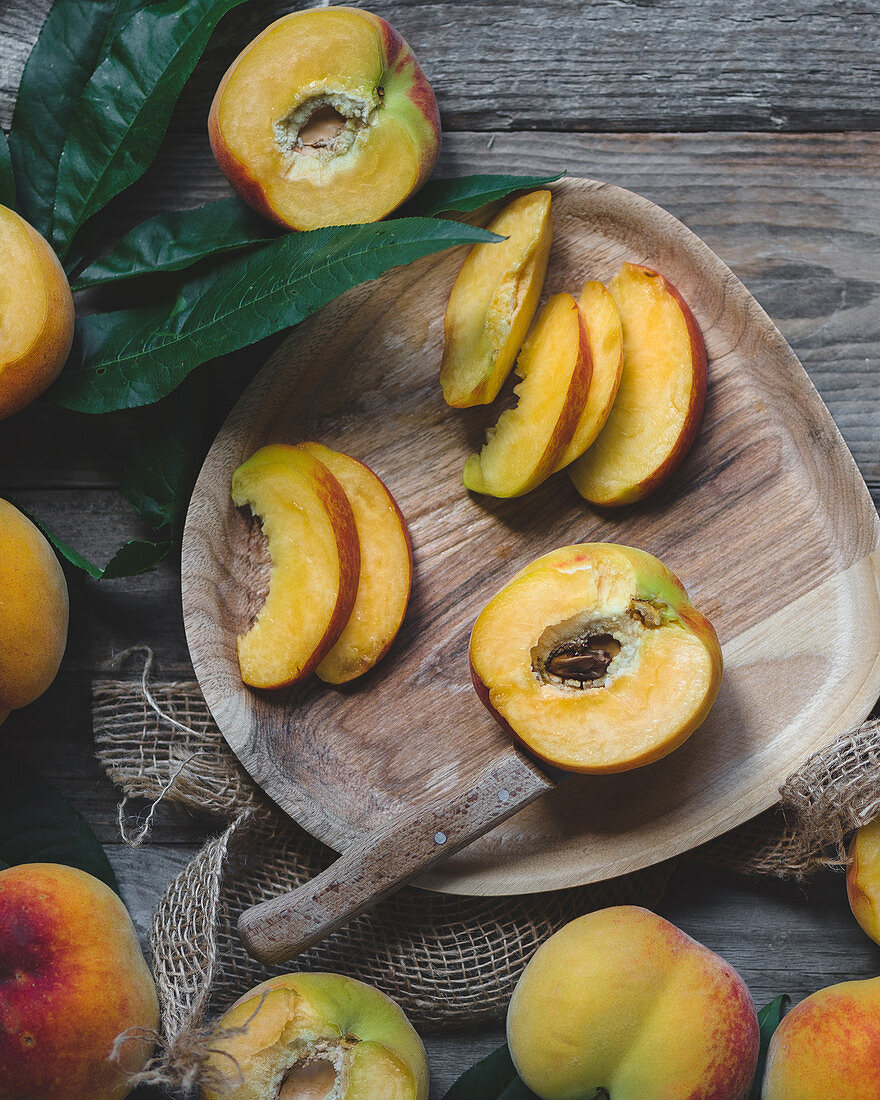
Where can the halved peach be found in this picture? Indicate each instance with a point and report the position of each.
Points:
(661, 398)
(525, 445)
(605, 337)
(326, 118)
(315, 555)
(493, 301)
(385, 573)
(595, 659)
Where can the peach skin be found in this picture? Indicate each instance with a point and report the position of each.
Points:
(863, 878)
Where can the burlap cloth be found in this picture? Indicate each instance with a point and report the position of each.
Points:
(447, 960)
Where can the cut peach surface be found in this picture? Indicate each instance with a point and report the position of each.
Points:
(385, 572)
(315, 556)
(36, 313)
(494, 300)
(325, 118)
(525, 445)
(605, 337)
(659, 405)
(595, 659)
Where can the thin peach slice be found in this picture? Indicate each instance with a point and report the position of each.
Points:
(595, 659)
(525, 445)
(493, 302)
(605, 337)
(661, 398)
(315, 555)
(385, 574)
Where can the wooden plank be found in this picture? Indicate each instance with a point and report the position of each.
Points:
(602, 66)
(795, 216)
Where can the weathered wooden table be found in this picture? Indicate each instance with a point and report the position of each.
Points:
(757, 124)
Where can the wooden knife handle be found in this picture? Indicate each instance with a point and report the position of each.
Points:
(277, 930)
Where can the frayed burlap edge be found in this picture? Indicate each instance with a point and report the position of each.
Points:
(447, 960)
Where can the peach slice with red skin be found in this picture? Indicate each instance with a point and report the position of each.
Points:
(315, 556)
(493, 302)
(594, 658)
(385, 570)
(662, 394)
(525, 445)
(326, 118)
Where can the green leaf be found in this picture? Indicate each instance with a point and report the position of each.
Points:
(494, 1078)
(170, 242)
(125, 109)
(768, 1021)
(72, 41)
(469, 193)
(37, 825)
(135, 357)
(7, 180)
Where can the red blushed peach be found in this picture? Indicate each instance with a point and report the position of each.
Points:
(326, 118)
(72, 979)
(316, 1037)
(385, 574)
(595, 659)
(36, 314)
(315, 555)
(33, 611)
(528, 440)
(622, 1004)
(662, 394)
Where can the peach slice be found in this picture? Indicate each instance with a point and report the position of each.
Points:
(385, 573)
(36, 314)
(525, 445)
(316, 1037)
(326, 118)
(595, 659)
(493, 301)
(605, 337)
(315, 555)
(662, 393)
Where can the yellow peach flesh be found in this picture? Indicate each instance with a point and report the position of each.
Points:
(312, 543)
(863, 878)
(523, 447)
(494, 300)
(33, 611)
(660, 395)
(605, 337)
(385, 573)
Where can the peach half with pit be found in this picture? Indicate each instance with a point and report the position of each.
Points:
(316, 1037)
(621, 1004)
(33, 611)
(555, 365)
(326, 118)
(36, 314)
(385, 576)
(493, 302)
(315, 561)
(661, 397)
(594, 658)
(77, 1000)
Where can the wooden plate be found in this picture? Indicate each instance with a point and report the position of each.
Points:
(768, 524)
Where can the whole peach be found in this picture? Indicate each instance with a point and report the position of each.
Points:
(36, 313)
(72, 978)
(828, 1046)
(863, 878)
(623, 1001)
(33, 611)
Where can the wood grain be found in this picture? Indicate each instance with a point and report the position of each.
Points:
(769, 491)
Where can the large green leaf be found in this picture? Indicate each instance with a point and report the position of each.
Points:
(768, 1021)
(135, 357)
(124, 111)
(469, 193)
(7, 180)
(172, 241)
(72, 41)
(494, 1078)
(37, 825)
